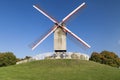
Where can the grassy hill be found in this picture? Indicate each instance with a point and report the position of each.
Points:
(59, 70)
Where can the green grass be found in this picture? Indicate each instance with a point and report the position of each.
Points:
(59, 70)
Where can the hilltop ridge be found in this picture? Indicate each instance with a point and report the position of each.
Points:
(61, 69)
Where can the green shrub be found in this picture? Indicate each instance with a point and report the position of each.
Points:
(106, 57)
(7, 58)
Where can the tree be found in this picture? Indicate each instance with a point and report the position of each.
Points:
(96, 57)
(7, 58)
(110, 58)
(106, 57)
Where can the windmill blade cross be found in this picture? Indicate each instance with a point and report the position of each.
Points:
(79, 39)
(61, 24)
(73, 12)
(45, 14)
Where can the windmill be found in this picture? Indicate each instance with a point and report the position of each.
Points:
(60, 31)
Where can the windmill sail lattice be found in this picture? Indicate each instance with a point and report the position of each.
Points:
(60, 31)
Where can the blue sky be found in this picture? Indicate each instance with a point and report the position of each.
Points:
(20, 24)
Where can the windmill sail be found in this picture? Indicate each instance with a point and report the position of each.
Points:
(75, 36)
(43, 38)
(73, 12)
(45, 14)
